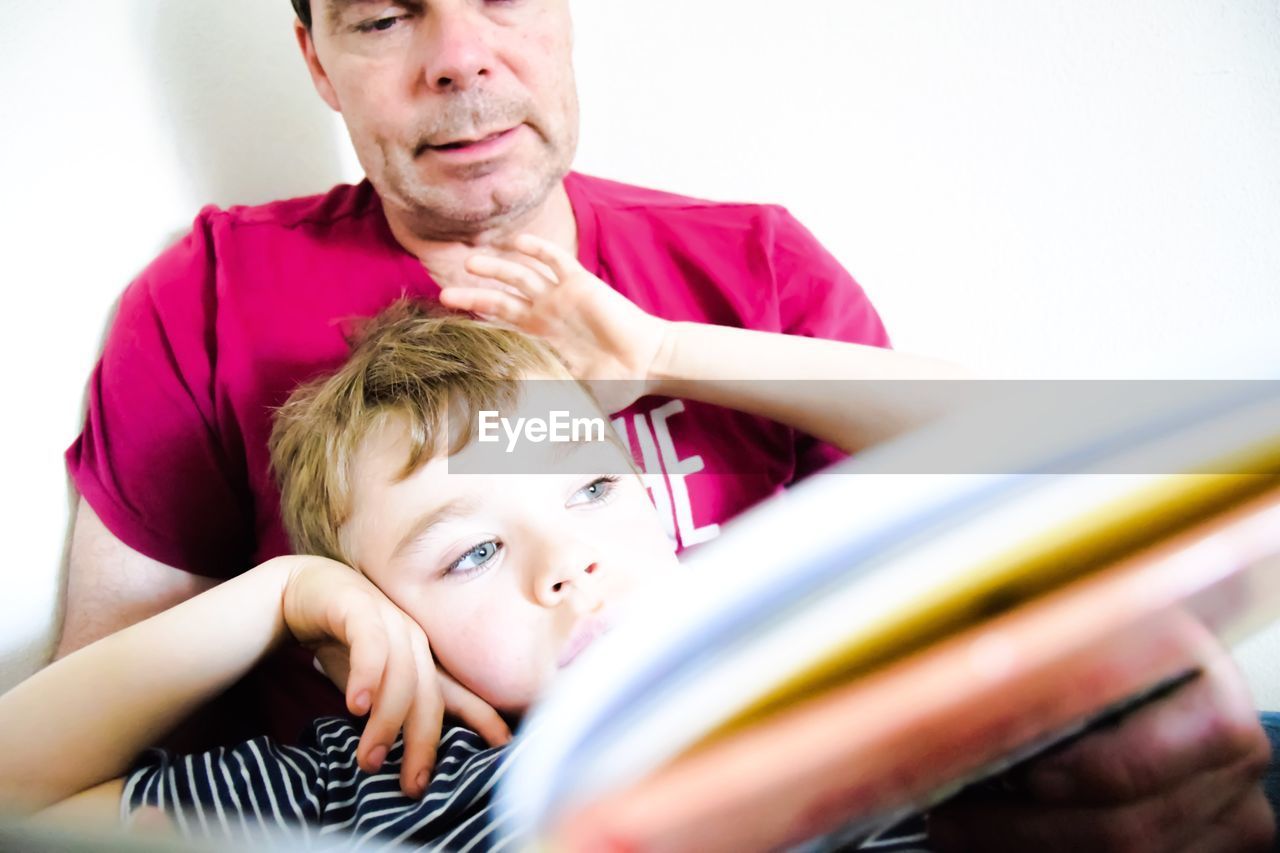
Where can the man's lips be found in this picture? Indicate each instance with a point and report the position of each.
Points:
(475, 145)
(586, 632)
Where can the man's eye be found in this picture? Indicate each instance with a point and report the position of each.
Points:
(380, 25)
(475, 559)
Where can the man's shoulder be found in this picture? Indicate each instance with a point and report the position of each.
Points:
(341, 203)
(618, 197)
(625, 218)
(268, 250)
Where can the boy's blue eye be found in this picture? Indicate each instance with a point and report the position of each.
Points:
(596, 491)
(475, 559)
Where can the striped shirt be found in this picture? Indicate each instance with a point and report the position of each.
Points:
(261, 793)
(314, 794)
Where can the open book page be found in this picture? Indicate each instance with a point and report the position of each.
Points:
(787, 622)
(780, 607)
(904, 737)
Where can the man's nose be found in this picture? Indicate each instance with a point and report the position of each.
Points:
(457, 54)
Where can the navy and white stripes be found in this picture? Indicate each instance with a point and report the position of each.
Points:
(262, 793)
(314, 796)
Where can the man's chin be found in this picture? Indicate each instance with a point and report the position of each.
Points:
(479, 204)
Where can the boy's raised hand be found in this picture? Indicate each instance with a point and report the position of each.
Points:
(603, 338)
(381, 660)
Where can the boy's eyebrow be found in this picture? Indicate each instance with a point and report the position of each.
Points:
(429, 519)
(562, 450)
(610, 456)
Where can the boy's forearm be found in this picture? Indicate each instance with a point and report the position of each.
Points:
(86, 717)
(769, 375)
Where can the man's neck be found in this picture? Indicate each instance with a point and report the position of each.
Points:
(552, 220)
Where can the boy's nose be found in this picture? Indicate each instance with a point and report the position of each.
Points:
(572, 577)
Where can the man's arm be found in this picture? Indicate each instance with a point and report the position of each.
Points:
(110, 586)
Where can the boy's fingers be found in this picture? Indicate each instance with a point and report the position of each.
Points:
(334, 664)
(562, 263)
(549, 277)
(365, 636)
(490, 303)
(478, 714)
(394, 696)
(423, 725)
(528, 281)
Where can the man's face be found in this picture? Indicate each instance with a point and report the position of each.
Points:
(463, 113)
(510, 575)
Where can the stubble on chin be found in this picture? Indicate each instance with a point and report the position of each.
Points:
(463, 207)
(445, 213)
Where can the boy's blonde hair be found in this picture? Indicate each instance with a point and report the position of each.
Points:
(407, 363)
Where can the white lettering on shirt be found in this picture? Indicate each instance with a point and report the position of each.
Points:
(677, 470)
(652, 477)
(663, 473)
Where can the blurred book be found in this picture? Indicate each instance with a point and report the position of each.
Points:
(813, 677)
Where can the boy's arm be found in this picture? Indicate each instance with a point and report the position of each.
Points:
(94, 809)
(84, 719)
(624, 352)
(850, 395)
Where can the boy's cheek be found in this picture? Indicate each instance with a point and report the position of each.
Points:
(510, 686)
(506, 662)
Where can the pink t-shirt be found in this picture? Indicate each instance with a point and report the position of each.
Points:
(219, 329)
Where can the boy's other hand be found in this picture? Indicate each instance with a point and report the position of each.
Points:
(602, 337)
(381, 660)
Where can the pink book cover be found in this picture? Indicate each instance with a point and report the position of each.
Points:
(910, 734)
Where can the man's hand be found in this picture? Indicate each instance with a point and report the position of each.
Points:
(603, 338)
(381, 661)
(1181, 774)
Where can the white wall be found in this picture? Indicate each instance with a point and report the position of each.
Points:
(121, 120)
(1032, 187)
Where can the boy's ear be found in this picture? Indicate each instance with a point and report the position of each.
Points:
(319, 78)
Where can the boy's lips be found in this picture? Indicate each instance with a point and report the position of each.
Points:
(586, 632)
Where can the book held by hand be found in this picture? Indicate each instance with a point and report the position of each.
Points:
(861, 647)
